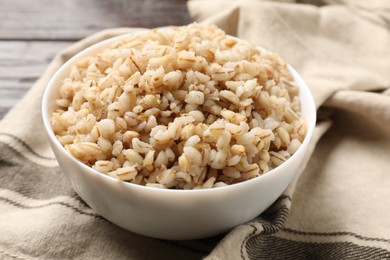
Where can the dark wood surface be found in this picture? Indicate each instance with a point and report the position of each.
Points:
(33, 31)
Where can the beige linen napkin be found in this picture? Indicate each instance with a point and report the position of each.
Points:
(337, 208)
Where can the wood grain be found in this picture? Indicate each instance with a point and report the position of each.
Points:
(75, 19)
(33, 31)
(21, 64)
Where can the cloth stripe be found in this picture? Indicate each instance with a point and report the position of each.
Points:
(25, 145)
(26, 151)
(25, 206)
(329, 234)
(270, 247)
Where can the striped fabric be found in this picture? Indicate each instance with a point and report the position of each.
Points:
(338, 207)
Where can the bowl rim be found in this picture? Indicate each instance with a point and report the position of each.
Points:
(101, 45)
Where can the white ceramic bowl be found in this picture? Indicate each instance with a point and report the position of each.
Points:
(173, 214)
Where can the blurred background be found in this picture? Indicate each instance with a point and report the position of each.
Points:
(33, 31)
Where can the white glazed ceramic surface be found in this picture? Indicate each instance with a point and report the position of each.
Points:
(173, 214)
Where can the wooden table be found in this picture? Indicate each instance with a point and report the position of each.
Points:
(33, 31)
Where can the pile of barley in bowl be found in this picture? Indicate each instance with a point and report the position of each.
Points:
(184, 108)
